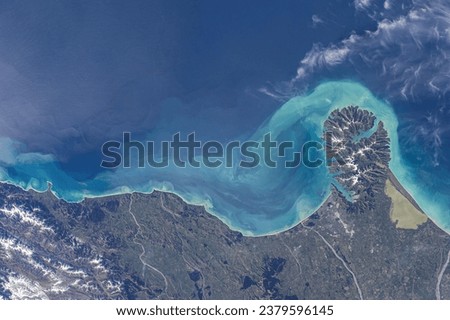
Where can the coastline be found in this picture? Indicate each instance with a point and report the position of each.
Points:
(209, 209)
(314, 106)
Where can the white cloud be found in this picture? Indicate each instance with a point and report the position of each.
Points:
(362, 4)
(406, 57)
(316, 20)
(409, 53)
(320, 57)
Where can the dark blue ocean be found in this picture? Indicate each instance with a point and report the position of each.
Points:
(77, 74)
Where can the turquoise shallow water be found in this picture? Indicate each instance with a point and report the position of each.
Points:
(256, 201)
